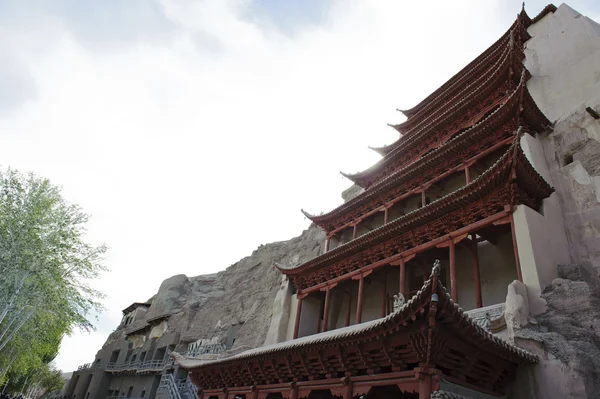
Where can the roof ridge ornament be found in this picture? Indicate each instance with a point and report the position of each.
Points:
(308, 215)
(436, 269)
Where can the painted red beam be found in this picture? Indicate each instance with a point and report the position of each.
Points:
(416, 190)
(420, 248)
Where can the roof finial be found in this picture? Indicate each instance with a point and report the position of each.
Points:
(435, 270)
(523, 7)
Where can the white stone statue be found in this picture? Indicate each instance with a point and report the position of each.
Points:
(398, 302)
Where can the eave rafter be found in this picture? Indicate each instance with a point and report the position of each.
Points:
(484, 196)
(519, 28)
(437, 130)
(473, 142)
(447, 338)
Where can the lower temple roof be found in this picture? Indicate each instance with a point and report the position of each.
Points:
(435, 329)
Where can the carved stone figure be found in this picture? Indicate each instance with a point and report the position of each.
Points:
(398, 302)
(437, 267)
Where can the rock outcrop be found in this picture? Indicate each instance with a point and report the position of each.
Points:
(249, 294)
(566, 337)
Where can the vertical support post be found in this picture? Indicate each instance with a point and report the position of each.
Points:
(403, 277)
(349, 391)
(254, 392)
(467, 175)
(361, 287)
(354, 230)
(425, 382)
(298, 312)
(515, 247)
(293, 391)
(327, 243)
(453, 271)
(423, 198)
(384, 296)
(476, 275)
(326, 310)
(385, 215)
(348, 309)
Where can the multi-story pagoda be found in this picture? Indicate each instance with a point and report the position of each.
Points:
(445, 190)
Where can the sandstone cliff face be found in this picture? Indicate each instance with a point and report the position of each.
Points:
(205, 307)
(566, 338)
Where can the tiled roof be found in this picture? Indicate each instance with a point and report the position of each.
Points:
(478, 188)
(455, 146)
(446, 395)
(369, 330)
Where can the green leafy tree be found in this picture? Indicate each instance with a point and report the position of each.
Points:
(46, 266)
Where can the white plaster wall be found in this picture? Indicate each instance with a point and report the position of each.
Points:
(497, 269)
(563, 57)
(289, 334)
(534, 151)
(281, 313)
(540, 239)
(309, 317)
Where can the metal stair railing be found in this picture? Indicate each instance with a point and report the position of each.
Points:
(189, 390)
(168, 387)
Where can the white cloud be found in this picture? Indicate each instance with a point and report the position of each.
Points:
(192, 150)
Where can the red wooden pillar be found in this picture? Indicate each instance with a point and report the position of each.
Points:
(425, 377)
(423, 198)
(293, 391)
(403, 277)
(384, 297)
(516, 248)
(467, 175)
(385, 215)
(326, 310)
(298, 312)
(354, 231)
(476, 275)
(361, 287)
(453, 288)
(348, 309)
(349, 391)
(327, 243)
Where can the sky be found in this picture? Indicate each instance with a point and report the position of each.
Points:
(194, 131)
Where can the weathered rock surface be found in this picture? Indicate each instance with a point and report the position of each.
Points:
(249, 293)
(566, 337)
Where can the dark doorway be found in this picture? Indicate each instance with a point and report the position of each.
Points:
(390, 392)
(155, 384)
(320, 394)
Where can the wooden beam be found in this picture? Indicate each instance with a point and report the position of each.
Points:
(453, 271)
(348, 309)
(467, 175)
(326, 310)
(298, 312)
(361, 287)
(515, 247)
(365, 270)
(416, 190)
(384, 296)
(476, 275)
(403, 277)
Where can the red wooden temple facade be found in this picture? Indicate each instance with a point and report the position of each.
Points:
(446, 189)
